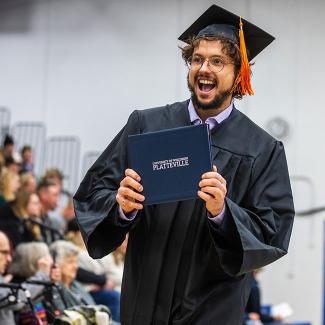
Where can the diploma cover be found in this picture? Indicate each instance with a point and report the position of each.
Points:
(171, 162)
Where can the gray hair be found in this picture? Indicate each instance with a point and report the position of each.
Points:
(24, 263)
(63, 249)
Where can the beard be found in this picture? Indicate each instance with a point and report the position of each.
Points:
(216, 102)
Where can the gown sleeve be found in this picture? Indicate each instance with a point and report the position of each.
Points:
(94, 202)
(257, 231)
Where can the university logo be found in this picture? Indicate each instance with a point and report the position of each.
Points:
(170, 163)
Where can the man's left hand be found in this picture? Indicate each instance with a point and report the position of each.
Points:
(213, 189)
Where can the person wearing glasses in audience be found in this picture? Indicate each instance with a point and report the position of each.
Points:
(188, 262)
(41, 270)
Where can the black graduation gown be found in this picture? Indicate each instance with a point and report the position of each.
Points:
(181, 268)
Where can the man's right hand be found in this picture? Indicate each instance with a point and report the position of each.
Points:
(127, 195)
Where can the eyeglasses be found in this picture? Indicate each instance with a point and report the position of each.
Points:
(215, 63)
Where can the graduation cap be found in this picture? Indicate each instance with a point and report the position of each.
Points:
(251, 39)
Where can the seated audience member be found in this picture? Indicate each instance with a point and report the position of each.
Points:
(114, 264)
(5, 256)
(68, 214)
(28, 182)
(253, 312)
(67, 259)
(16, 218)
(87, 277)
(64, 210)
(9, 185)
(9, 149)
(27, 164)
(105, 294)
(12, 165)
(74, 293)
(54, 175)
(41, 272)
(2, 161)
(48, 193)
(29, 259)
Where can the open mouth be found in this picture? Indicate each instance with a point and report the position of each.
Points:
(205, 85)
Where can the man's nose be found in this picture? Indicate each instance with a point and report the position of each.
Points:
(205, 66)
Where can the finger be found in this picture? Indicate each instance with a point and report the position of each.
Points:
(128, 181)
(214, 183)
(130, 172)
(127, 192)
(214, 168)
(210, 182)
(131, 205)
(120, 199)
(214, 175)
(214, 191)
(128, 204)
(205, 197)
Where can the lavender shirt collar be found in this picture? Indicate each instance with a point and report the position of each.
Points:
(211, 121)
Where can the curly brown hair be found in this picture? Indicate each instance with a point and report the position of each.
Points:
(230, 48)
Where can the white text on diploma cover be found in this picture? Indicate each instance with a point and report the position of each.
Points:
(170, 163)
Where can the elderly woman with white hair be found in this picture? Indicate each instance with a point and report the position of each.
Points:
(67, 258)
(29, 258)
(32, 261)
(73, 292)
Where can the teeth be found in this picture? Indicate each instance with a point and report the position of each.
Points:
(206, 82)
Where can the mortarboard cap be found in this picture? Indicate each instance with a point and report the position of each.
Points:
(217, 21)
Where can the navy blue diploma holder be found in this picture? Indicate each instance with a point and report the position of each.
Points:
(170, 162)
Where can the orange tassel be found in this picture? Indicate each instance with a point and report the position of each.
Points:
(243, 81)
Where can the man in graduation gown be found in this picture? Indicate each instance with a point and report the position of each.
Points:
(188, 262)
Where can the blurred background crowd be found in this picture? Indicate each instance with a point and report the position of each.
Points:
(40, 240)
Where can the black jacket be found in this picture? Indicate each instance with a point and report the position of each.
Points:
(15, 227)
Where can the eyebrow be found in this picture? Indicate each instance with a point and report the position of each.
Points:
(212, 56)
